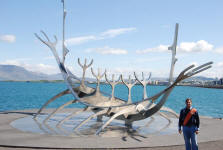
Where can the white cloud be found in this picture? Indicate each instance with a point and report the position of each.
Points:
(111, 33)
(213, 72)
(43, 68)
(219, 50)
(116, 32)
(160, 48)
(146, 60)
(107, 50)
(220, 64)
(199, 46)
(126, 71)
(8, 38)
(11, 62)
(80, 40)
(192, 63)
(165, 26)
(49, 58)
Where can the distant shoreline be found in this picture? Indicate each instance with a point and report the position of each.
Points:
(206, 86)
(60, 81)
(43, 81)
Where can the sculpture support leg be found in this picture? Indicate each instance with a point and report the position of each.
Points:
(166, 117)
(71, 115)
(61, 107)
(128, 124)
(170, 111)
(148, 123)
(112, 118)
(166, 126)
(51, 100)
(89, 118)
(99, 118)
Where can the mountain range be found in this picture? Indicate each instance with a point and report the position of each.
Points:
(17, 73)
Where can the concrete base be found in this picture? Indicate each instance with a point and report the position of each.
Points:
(211, 130)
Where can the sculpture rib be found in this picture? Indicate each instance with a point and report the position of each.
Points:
(143, 83)
(129, 86)
(113, 83)
(84, 68)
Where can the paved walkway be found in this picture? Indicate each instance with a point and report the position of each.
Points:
(216, 145)
(210, 138)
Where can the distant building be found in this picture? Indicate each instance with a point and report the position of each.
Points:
(218, 82)
(163, 82)
(221, 81)
(155, 82)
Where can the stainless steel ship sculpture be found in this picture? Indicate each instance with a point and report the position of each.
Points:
(106, 104)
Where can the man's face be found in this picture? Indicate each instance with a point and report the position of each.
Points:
(188, 103)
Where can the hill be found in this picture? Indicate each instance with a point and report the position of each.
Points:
(17, 73)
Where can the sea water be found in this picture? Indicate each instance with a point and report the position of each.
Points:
(32, 95)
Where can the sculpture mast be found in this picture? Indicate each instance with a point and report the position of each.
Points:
(173, 49)
(65, 50)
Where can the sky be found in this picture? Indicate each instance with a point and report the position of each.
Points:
(121, 36)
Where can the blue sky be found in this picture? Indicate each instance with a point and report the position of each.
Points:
(121, 36)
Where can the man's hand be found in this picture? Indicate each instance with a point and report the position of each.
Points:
(180, 131)
(197, 132)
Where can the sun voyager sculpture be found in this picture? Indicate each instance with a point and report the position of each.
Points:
(103, 104)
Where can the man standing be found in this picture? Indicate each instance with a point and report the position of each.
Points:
(190, 121)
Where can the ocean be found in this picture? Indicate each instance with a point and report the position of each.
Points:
(32, 95)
